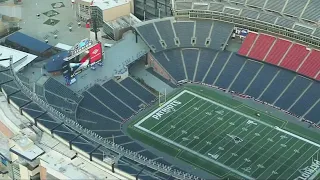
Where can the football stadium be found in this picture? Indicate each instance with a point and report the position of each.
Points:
(220, 89)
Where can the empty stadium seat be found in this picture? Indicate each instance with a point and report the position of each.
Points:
(166, 32)
(296, 88)
(220, 35)
(278, 50)
(313, 115)
(124, 95)
(190, 57)
(216, 67)
(150, 35)
(277, 86)
(311, 65)
(261, 46)
(184, 31)
(230, 71)
(111, 101)
(306, 100)
(294, 57)
(262, 80)
(138, 90)
(176, 68)
(247, 44)
(202, 32)
(56, 87)
(246, 76)
(204, 63)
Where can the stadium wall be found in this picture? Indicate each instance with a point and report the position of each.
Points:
(152, 62)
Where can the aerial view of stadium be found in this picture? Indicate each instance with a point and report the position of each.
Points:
(181, 89)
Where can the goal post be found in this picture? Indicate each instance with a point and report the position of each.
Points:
(162, 97)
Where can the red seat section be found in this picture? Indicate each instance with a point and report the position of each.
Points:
(294, 57)
(261, 47)
(247, 43)
(278, 51)
(311, 66)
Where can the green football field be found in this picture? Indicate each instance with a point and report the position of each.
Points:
(227, 139)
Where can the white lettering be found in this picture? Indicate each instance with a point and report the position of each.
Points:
(165, 110)
(309, 170)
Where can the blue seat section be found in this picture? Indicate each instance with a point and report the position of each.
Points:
(64, 132)
(307, 100)
(216, 67)
(81, 143)
(205, 60)
(277, 86)
(4, 78)
(90, 103)
(121, 93)
(230, 71)
(32, 109)
(293, 92)
(176, 66)
(121, 139)
(146, 177)
(202, 32)
(190, 57)
(246, 75)
(262, 80)
(110, 101)
(170, 67)
(138, 90)
(149, 33)
(10, 87)
(56, 87)
(184, 31)
(166, 32)
(47, 121)
(99, 123)
(314, 114)
(59, 102)
(19, 98)
(133, 147)
(128, 169)
(220, 34)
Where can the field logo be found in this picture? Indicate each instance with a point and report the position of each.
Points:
(167, 109)
(309, 170)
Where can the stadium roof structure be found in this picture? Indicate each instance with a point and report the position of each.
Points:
(20, 59)
(28, 42)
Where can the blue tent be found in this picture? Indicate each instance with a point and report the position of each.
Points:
(28, 42)
(56, 62)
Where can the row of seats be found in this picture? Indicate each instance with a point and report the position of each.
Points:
(233, 72)
(103, 125)
(165, 34)
(283, 53)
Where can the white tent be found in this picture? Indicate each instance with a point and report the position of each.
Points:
(19, 58)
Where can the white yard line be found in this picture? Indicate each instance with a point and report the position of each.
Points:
(252, 130)
(177, 117)
(137, 125)
(256, 152)
(245, 144)
(284, 161)
(196, 153)
(187, 122)
(194, 123)
(300, 167)
(270, 157)
(225, 135)
(218, 135)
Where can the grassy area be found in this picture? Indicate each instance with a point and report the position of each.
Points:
(224, 137)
